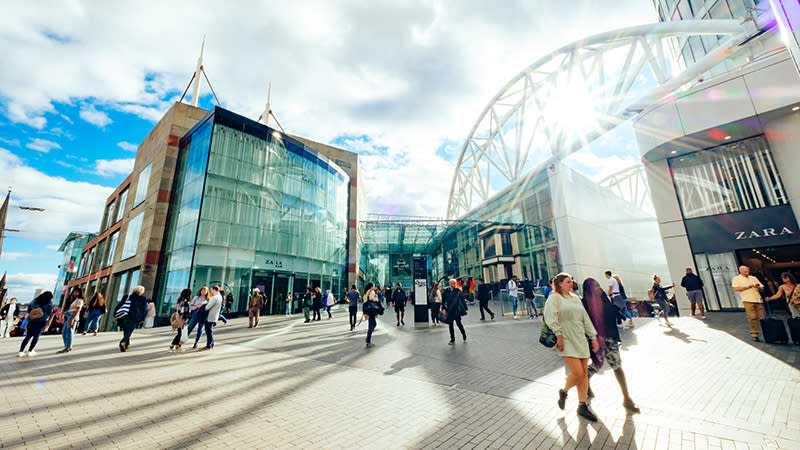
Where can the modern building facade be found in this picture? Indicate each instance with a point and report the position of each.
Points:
(216, 198)
(126, 251)
(67, 270)
(552, 220)
(720, 159)
(253, 208)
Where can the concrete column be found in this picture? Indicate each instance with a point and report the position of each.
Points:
(787, 14)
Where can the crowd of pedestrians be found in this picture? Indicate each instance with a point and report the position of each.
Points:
(585, 329)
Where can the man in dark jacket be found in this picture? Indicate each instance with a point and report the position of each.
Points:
(527, 289)
(136, 314)
(8, 317)
(694, 289)
(484, 293)
(399, 298)
(453, 306)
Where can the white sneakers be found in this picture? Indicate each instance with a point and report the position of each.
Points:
(515, 317)
(30, 353)
(21, 354)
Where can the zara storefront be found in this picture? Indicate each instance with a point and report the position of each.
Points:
(252, 207)
(722, 163)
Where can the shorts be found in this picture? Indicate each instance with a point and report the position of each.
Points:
(695, 296)
(398, 308)
(612, 356)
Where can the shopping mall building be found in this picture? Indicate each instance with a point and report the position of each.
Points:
(722, 159)
(216, 198)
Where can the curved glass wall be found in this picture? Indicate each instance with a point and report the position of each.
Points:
(267, 212)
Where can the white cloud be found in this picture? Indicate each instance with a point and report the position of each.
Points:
(109, 167)
(127, 146)
(598, 167)
(14, 256)
(23, 285)
(11, 142)
(411, 75)
(42, 145)
(53, 247)
(90, 114)
(69, 205)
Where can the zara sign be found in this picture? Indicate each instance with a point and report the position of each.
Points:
(762, 227)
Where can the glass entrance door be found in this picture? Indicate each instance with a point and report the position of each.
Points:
(717, 271)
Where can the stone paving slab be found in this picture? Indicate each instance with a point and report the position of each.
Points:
(291, 385)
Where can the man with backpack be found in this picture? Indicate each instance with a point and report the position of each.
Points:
(399, 298)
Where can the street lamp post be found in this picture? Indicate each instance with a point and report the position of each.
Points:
(4, 213)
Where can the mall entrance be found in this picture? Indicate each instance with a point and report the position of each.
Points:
(717, 271)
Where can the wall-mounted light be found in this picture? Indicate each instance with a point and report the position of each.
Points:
(674, 152)
(796, 108)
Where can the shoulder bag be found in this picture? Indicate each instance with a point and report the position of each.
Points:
(123, 310)
(546, 336)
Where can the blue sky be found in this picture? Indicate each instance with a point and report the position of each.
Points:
(401, 83)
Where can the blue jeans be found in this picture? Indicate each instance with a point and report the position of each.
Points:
(34, 330)
(514, 300)
(93, 320)
(209, 326)
(288, 308)
(68, 331)
(192, 323)
(372, 324)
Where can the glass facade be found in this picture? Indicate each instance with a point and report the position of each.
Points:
(132, 237)
(253, 208)
(732, 177)
(142, 185)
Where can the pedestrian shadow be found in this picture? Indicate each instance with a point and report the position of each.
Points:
(675, 332)
(734, 323)
(582, 438)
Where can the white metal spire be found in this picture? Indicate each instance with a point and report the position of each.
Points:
(267, 110)
(196, 88)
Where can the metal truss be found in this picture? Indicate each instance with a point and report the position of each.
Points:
(581, 91)
(631, 185)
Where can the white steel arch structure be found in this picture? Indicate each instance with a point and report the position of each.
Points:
(579, 92)
(631, 185)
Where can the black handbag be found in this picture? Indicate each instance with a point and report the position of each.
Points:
(372, 309)
(443, 317)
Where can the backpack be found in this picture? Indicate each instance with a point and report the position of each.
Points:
(176, 320)
(651, 294)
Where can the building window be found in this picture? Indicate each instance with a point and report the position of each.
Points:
(99, 256)
(132, 237)
(121, 201)
(112, 248)
(733, 177)
(108, 215)
(142, 185)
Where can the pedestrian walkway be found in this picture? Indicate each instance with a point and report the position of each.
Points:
(286, 384)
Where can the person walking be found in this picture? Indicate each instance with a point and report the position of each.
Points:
(317, 305)
(96, 307)
(399, 298)
(38, 315)
(567, 319)
(8, 317)
(352, 302)
(329, 302)
(603, 315)
(790, 292)
(453, 307)
(511, 289)
(436, 303)
(214, 306)
(694, 290)
(308, 302)
(150, 317)
(749, 289)
(136, 314)
(222, 307)
(197, 302)
(228, 302)
(616, 294)
(183, 307)
(370, 296)
(660, 294)
(74, 305)
(484, 294)
(254, 308)
(528, 293)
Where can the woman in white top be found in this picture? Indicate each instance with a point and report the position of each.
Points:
(74, 304)
(150, 318)
(566, 317)
(199, 300)
(436, 303)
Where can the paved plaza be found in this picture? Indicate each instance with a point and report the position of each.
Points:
(286, 384)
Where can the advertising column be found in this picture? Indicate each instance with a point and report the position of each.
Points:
(421, 289)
